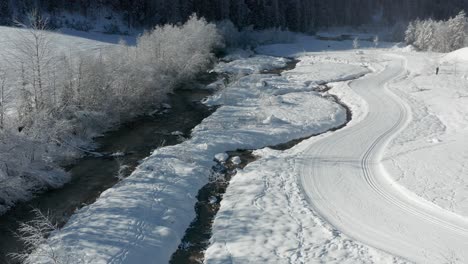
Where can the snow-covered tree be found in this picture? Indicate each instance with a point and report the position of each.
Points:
(410, 33)
(457, 27)
(356, 43)
(376, 41)
(64, 100)
(32, 54)
(441, 36)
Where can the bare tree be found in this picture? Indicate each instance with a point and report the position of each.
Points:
(32, 52)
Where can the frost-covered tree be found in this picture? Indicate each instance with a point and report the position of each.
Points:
(410, 33)
(456, 28)
(376, 41)
(441, 36)
(32, 54)
(64, 100)
(425, 35)
(356, 43)
(34, 235)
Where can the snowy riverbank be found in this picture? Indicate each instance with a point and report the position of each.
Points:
(267, 215)
(264, 216)
(58, 92)
(144, 217)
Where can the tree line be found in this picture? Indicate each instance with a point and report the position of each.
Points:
(295, 15)
(438, 35)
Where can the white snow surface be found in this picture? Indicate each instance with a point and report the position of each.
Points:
(221, 157)
(250, 65)
(430, 156)
(460, 55)
(265, 218)
(393, 179)
(388, 187)
(143, 218)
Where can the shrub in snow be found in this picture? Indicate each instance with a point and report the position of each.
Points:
(34, 235)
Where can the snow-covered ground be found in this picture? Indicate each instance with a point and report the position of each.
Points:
(144, 217)
(249, 65)
(271, 212)
(265, 215)
(430, 158)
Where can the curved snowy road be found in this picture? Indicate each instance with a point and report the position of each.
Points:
(345, 182)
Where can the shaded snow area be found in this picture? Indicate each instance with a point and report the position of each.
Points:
(430, 157)
(144, 217)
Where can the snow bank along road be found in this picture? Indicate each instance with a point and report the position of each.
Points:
(347, 185)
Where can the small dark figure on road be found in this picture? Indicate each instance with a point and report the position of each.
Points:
(437, 71)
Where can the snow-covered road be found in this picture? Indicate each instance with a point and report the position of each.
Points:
(345, 182)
